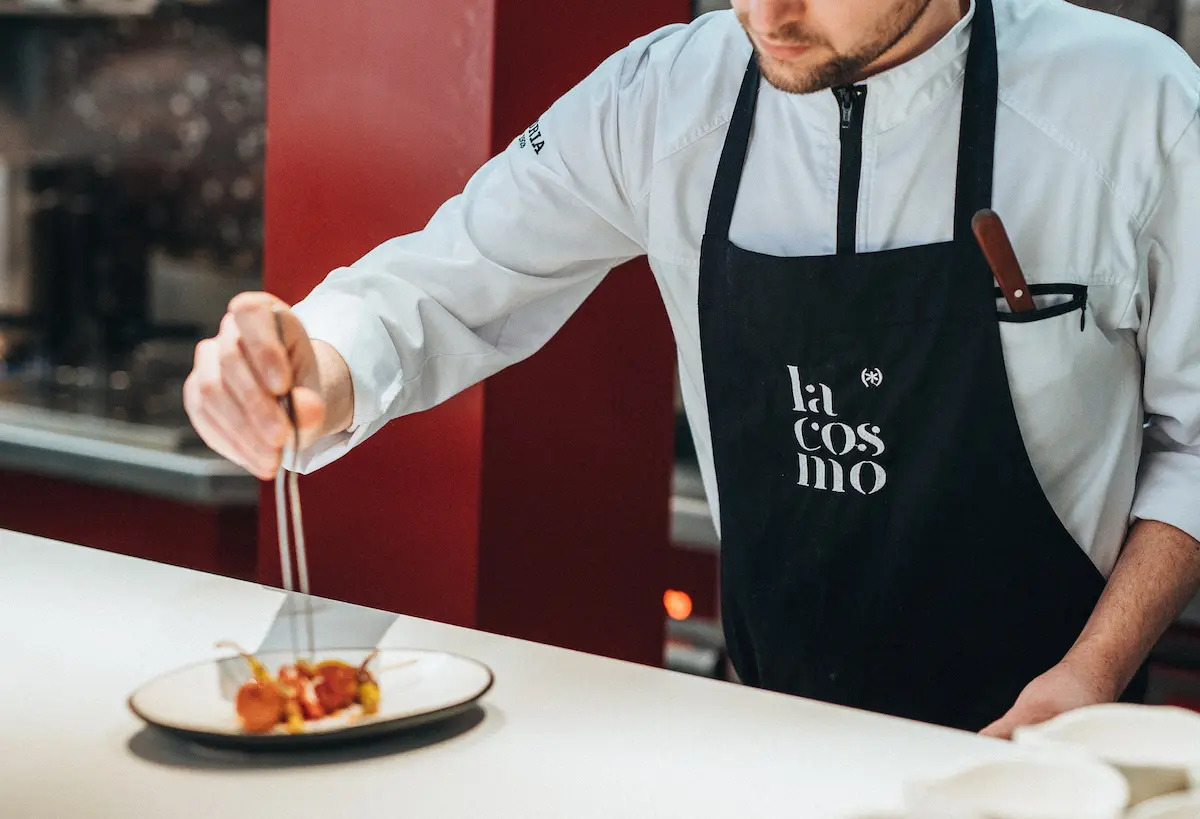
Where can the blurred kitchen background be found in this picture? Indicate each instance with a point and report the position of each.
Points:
(132, 144)
(132, 139)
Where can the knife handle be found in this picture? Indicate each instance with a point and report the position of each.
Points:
(998, 250)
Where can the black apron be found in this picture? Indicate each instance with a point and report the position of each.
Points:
(885, 541)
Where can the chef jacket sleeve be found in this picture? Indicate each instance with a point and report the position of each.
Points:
(1169, 339)
(500, 267)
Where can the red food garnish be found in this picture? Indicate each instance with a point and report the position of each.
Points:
(337, 685)
(260, 706)
(303, 692)
(300, 687)
(311, 702)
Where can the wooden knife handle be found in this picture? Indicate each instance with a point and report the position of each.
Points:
(998, 250)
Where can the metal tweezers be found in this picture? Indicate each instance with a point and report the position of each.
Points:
(292, 494)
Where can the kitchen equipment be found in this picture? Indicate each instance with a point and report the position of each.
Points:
(81, 7)
(130, 204)
(16, 286)
(1156, 748)
(288, 477)
(73, 263)
(189, 702)
(1041, 786)
(998, 250)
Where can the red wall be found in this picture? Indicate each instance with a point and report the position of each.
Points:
(373, 122)
(533, 505)
(593, 410)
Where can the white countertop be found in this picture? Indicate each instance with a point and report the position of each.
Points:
(561, 734)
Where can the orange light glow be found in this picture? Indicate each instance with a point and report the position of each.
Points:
(678, 604)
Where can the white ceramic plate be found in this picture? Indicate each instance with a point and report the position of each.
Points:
(1031, 788)
(1135, 736)
(195, 702)
(1154, 746)
(1176, 806)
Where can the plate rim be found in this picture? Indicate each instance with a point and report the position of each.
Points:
(315, 737)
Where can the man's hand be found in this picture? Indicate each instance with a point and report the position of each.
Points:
(1155, 577)
(1063, 688)
(232, 393)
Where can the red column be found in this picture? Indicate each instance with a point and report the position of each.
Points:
(535, 505)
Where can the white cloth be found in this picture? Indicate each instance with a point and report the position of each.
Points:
(1097, 179)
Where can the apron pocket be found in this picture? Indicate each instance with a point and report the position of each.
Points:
(1049, 300)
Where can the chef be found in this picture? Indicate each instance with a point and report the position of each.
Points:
(930, 505)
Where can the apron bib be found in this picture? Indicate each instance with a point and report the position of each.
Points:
(885, 542)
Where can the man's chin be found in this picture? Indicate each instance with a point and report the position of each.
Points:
(792, 78)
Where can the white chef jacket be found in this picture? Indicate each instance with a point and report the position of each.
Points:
(1097, 178)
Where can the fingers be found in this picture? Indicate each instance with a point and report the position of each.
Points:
(309, 410)
(1024, 713)
(1000, 729)
(232, 394)
(310, 414)
(274, 362)
(224, 440)
(263, 413)
(221, 419)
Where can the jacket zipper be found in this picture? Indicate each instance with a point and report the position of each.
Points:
(852, 102)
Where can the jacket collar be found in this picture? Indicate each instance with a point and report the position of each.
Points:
(900, 92)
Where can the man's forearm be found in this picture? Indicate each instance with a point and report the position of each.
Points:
(1157, 574)
(337, 389)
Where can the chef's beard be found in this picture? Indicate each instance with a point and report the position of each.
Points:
(841, 69)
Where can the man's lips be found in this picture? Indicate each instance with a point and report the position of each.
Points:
(784, 51)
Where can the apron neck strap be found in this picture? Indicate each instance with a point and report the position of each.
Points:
(977, 133)
(733, 155)
(976, 144)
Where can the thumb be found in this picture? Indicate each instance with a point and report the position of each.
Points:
(310, 414)
(1002, 728)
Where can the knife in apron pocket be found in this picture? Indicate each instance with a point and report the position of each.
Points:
(998, 250)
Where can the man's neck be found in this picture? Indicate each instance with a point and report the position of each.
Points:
(934, 23)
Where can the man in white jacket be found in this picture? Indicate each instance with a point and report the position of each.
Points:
(915, 486)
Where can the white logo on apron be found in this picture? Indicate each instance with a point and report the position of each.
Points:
(826, 444)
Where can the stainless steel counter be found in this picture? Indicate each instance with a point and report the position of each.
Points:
(194, 476)
(691, 522)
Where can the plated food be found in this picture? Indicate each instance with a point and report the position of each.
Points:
(303, 692)
(274, 701)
